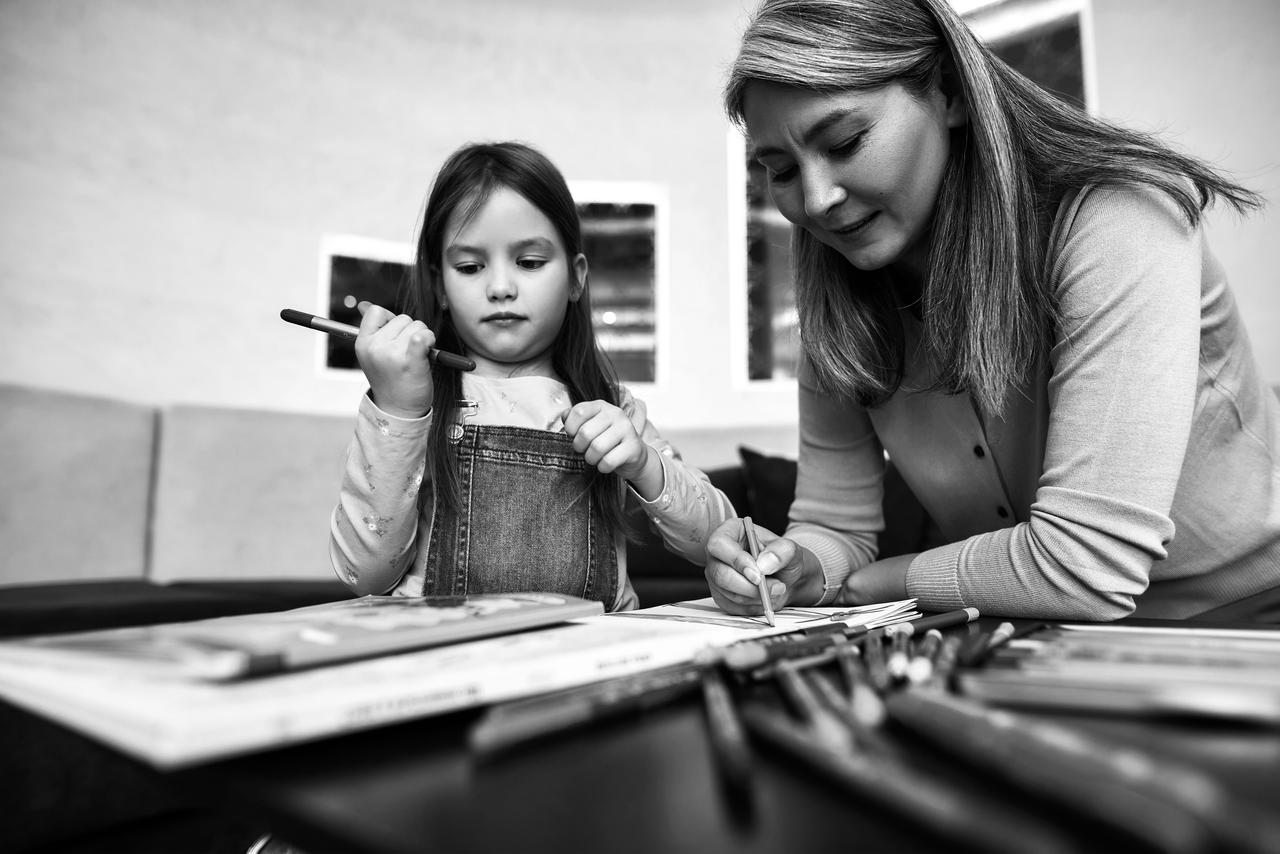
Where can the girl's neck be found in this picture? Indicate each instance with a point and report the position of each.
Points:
(539, 367)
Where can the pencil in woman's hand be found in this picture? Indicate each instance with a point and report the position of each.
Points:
(346, 330)
(753, 548)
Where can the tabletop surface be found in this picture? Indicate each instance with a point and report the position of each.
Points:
(648, 782)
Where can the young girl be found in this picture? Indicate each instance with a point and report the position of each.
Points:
(510, 477)
(1017, 302)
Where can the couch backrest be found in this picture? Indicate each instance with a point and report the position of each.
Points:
(246, 494)
(75, 486)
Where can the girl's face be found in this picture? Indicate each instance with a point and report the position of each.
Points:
(859, 169)
(507, 282)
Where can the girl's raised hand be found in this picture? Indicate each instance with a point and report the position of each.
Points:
(392, 351)
(731, 572)
(607, 439)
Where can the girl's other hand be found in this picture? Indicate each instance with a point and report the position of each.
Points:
(392, 351)
(607, 439)
(731, 572)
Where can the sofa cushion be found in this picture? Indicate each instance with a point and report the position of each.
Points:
(77, 486)
(246, 494)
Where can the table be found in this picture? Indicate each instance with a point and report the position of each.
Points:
(645, 783)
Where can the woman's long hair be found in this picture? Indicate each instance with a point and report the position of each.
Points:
(988, 308)
(464, 183)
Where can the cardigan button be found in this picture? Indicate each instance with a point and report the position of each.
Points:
(978, 452)
(1002, 512)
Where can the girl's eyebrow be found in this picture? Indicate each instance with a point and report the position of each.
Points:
(519, 246)
(533, 243)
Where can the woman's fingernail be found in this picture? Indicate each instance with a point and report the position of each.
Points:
(767, 563)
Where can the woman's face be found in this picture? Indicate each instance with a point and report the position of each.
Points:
(859, 169)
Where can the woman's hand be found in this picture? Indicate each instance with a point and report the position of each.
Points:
(607, 439)
(882, 581)
(791, 573)
(392, 352)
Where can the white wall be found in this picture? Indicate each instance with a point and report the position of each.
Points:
(168, 167)
(1206, 75)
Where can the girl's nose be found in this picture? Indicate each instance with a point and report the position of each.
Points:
(501, 286)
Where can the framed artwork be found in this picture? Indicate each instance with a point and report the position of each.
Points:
(624, 238)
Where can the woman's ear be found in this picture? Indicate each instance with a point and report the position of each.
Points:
(579, 283)
(957, 108)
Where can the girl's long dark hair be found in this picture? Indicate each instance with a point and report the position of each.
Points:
(464, 183)
(988, 307)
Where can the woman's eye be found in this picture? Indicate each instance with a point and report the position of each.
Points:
(781, 176)
(467, 268)
(847, 147)
(532, 263)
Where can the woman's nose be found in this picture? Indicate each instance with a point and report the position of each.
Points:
(822, 193)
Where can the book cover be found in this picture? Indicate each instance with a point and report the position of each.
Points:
(225, 648)
(170, 722)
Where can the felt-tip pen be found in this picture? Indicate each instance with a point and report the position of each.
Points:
(346, 330)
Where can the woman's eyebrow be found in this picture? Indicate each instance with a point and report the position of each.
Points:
(812, 132)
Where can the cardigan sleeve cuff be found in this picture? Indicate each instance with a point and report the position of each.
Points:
(832, 559)
(933, 578)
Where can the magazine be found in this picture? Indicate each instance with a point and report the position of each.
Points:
(225, 648)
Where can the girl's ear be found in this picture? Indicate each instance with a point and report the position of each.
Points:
(579, 283)
(957, 109)
(437, 287)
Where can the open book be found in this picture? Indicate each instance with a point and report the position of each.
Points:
(170, 722)
(234, 647)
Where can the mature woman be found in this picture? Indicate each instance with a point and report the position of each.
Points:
(1015, 301)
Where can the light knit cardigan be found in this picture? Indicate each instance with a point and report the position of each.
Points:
(1139, 473)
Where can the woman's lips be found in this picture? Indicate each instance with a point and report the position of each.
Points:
(850, 230)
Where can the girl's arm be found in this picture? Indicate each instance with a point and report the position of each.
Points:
(373, 532)
(685, 507)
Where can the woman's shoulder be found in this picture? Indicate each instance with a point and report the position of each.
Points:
(1117, 204)
(1114, 221)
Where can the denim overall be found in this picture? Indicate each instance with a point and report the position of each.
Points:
(527, 520)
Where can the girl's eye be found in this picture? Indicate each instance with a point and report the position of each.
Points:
(532, 263)
(467, 268)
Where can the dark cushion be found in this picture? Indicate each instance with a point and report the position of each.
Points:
(771, 487)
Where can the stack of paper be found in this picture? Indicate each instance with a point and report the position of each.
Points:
(1225, 673)
(171, 721)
